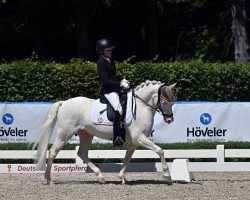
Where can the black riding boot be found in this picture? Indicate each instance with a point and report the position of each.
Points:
(118, 138)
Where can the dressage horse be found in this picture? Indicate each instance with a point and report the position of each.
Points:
(73, 116)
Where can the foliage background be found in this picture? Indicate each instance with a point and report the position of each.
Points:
(34, 80)
(169, 30)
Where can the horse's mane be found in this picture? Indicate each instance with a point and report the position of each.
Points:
(146, 83)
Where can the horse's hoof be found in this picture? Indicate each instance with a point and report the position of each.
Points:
(48, 182)
(167, 177)
(101, 180)
(124, 181)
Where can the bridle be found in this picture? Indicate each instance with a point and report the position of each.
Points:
(158, 105)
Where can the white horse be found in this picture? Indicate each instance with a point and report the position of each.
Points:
(74, 117)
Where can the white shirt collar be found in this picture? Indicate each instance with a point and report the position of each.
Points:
(108, 59)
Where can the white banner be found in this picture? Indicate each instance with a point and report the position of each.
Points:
(205, 121)
(31, 168)
(19, 122)
(193, 121)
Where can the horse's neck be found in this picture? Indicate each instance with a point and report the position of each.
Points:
(147, 92)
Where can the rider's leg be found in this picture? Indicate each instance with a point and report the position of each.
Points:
(114, 100)
(118, 139)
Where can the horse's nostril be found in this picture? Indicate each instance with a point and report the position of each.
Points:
(168, 120)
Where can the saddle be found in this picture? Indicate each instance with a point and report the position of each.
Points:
(103, 113)
(110, 110)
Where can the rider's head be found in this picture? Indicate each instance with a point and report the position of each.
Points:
(104, 47)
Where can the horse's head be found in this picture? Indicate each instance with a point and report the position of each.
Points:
(161, 95)
(166, 101)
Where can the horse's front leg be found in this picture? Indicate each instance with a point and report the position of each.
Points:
(129, 153)
(145, 142)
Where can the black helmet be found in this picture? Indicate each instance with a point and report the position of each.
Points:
(103, 44)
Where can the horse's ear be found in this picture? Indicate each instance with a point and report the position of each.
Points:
(172, 86)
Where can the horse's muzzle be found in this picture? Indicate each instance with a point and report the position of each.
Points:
(168, 119)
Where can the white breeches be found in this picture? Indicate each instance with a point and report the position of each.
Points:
(114, 100)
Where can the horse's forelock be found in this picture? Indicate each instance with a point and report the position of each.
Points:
(167, 92)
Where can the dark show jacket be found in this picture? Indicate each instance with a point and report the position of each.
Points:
(107, 73)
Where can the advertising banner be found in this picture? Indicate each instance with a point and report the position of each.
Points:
(19, 122)
(31, 168)
(193, 121)
(205, 121)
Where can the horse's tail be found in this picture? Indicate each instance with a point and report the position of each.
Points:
(44, 136)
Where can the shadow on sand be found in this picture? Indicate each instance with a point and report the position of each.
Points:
(134, 182)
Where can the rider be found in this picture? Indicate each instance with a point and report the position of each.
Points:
(111, 85)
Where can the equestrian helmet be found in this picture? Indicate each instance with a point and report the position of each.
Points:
(103, 44)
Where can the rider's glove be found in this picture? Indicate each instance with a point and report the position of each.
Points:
(124, 84)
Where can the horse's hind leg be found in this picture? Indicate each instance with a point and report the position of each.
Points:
(57, 146)
(85, 143)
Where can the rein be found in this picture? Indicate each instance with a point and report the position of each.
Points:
(159, 108)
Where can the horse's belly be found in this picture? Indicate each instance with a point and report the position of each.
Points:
(101, 131)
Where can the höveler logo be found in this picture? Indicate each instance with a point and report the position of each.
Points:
(10, 131)
(205, 118)
(205, 132)
(7, 119)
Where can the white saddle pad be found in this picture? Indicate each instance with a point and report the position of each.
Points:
(98, 118)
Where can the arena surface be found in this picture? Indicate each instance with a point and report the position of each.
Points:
(150, 186)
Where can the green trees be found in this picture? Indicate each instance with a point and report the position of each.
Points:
(148, 29)
(239, 29)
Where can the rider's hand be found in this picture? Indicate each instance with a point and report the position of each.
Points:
(124, 84)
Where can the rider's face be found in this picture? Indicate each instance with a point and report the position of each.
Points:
(107, 53)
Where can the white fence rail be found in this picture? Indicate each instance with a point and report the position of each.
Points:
(220, 154)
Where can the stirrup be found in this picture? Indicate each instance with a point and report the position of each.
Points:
(119, 142)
